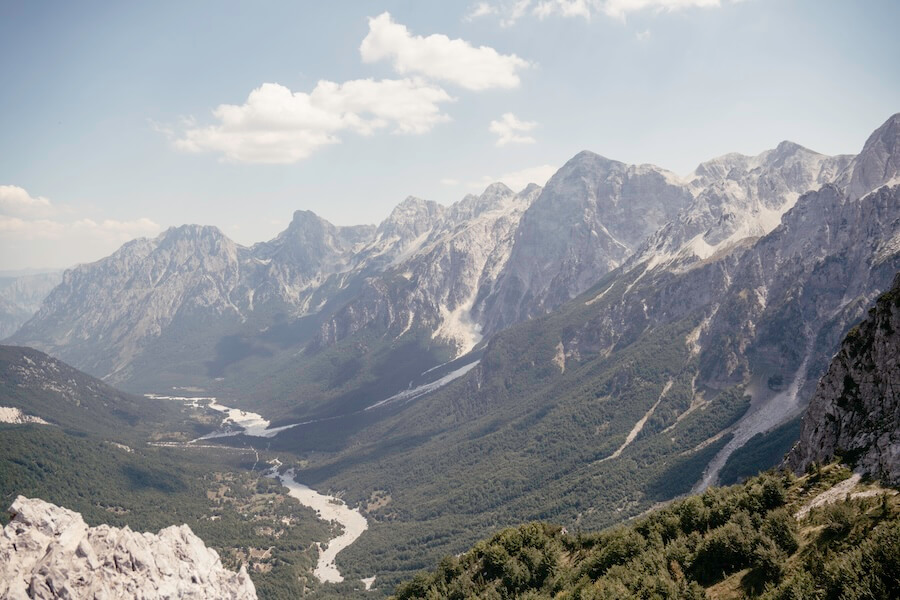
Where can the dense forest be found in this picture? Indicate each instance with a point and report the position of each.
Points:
(749, 540)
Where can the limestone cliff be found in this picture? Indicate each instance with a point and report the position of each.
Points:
(50, 552)
(855, 413)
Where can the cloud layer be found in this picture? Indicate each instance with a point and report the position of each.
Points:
(279, 126)
(276, 125)
(510, 11)
(28, 222)
(440, 58)
(15, 201)
(510, 130)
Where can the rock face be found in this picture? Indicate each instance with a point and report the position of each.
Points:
(855, 412)
(879, 162)
(9, 414)
(104, 314)
(449, 260)
(49, 552)
(591, 216)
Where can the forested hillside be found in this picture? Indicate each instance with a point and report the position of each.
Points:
(755, 540)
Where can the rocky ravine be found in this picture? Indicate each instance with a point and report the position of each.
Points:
(855, 412)
(49, 552)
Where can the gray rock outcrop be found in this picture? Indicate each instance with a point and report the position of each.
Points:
(855, 412)
(50, 552)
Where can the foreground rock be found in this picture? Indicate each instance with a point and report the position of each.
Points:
(50, 552)
(855, 413)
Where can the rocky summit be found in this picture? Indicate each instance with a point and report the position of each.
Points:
(50, 552)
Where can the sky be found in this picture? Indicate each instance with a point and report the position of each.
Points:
(121, 119)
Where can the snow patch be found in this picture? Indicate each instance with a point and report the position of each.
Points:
(426, 388)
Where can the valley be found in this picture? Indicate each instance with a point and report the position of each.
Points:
(416, 386)
(488, 300)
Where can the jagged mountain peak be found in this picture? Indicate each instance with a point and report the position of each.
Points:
(303, 217)
(587, 161)
(497, 188)
(495, 196)
(191, 230)
(529, 189)
(879, 162)
(738, 198)
(208, 237)
(789, 147)
(413, 215)
(414, 204)
(586, 221)
(735, 165)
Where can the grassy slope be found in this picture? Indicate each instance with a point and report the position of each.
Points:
(729, 543)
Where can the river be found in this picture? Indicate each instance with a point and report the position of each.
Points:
(328, 508)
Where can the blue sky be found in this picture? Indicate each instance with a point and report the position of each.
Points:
(111, 127)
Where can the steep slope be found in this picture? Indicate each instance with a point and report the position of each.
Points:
(50, 552)
(21, 297)
(104, 314)
(879, 162)
(731, 543)
(591, 215)
(43, 387)
(855, 412)
(401, 233)
(300, 259)
(435, 282)
(633, 392)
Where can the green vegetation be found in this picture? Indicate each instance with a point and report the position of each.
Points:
(762, 452)
(248, 518)
(736, 542)
(528, 441)
(42, 386)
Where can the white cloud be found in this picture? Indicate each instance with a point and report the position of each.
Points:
(482, 9)
(276, 125)
(439, 57)
(565, 8)
(510, 11)
(514, 12)
(518, 180)
(620, 8)
(509, 130)
(28, 223)
(16, 201)
(108, 230)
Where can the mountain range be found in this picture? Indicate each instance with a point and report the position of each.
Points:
(635, 332)
(452, 274)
